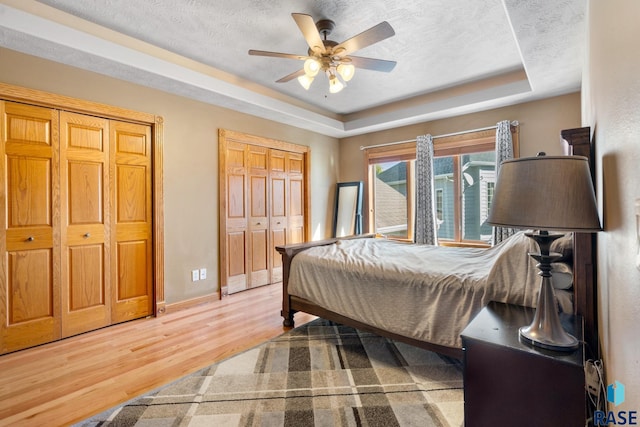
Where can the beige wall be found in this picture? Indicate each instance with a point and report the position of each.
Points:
(190, 160)
(611, 106)
(540, 126)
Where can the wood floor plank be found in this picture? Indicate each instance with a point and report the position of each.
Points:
(64, 382)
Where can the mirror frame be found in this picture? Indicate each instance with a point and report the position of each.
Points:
(357, 212)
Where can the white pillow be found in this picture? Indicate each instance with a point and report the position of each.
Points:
(561, 275)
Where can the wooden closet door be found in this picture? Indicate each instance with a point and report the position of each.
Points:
(259, 253)
(279, 207)
(235, 272)
(131, 223)
(30, 217)
(85, 266)
(295, 216)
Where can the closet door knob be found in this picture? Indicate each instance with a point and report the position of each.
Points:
(30, 239)
(87, 235)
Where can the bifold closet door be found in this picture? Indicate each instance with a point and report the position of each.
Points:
(76, 248)
(131, 222)
(85, 211)
(262, 205)
(30, 216)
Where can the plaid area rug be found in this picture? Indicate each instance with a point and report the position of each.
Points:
(319, 374)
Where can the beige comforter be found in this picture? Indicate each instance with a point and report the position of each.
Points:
(425, 292)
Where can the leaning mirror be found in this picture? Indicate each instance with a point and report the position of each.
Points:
(347, 215)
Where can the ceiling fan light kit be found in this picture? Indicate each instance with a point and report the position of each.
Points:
(311, 67)
(331, 57)
(305, 81)
(335, 85)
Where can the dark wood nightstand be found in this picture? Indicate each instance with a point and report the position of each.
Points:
(509, 383)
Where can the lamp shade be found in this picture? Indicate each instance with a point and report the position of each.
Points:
(305, 81)
(545, 193)
(335, 85)
(311, 67)
(346, 71)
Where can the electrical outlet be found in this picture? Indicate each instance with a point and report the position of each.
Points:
(203, 273)
(195, 275)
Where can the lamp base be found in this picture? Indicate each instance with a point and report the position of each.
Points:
(546, 331)
(548, 341)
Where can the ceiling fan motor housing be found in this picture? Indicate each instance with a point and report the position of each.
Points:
(325, 27)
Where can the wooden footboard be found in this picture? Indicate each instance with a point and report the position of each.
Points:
(288, 252)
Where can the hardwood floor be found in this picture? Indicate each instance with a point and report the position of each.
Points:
(70, 380)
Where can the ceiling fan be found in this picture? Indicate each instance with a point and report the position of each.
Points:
(332, 58)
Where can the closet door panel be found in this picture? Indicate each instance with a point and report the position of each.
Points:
(236, 214)
(259, 258)
(86, 277)
(132, 261)
(30, 285)
(84, 157)
(236, 261)
(30, 217)
(258, 254)
(296, 212)
(278, 221)
(278, 238)
(236, 199)
(29, 200)
(131, 225)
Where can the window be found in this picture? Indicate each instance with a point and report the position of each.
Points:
(390, 191)
(464, 178)
(392, 203)
(464, 182)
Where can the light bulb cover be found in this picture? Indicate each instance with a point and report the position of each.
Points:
(335, 85)
(346, 71)
(305, 81)
(311, 67)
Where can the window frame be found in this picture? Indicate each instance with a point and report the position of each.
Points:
(446, 145)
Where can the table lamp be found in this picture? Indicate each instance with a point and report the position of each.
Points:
(545, 193)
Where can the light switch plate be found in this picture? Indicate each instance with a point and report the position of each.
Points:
(203, 273)
(195, 275)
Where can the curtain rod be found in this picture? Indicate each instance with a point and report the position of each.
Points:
(362, 147)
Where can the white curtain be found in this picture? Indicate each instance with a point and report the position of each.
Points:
(504, 151)
(425, 227)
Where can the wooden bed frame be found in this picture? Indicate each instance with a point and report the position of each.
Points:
(577, 143)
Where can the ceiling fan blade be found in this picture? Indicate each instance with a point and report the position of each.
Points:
(277, 54)
(372, 64)
(309, 31)
(366, 38)
(291, 76)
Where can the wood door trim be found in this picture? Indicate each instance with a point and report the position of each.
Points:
(157, 166)
(245, 138)
(67, 103)
(61, 102)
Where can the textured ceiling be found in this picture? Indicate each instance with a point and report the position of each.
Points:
(453, 56)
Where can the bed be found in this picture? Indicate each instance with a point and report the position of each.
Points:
(429, 305)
